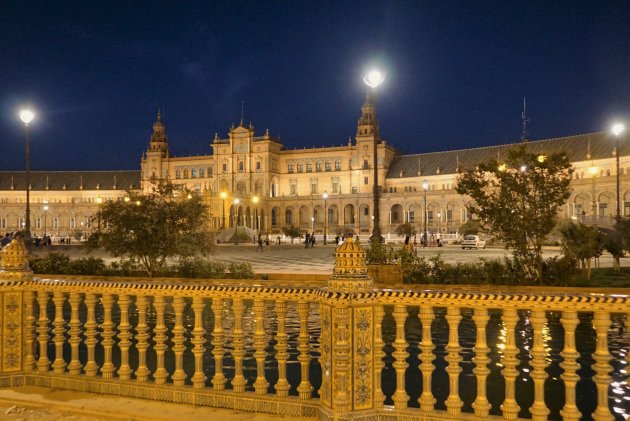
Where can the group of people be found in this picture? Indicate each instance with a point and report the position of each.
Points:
(263, 245)
(309, 240)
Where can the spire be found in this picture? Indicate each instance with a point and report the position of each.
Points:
(525, 120)
(368, 119)
(159, 140)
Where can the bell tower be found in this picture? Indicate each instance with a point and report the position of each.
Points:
(155, 160)
(159, 140)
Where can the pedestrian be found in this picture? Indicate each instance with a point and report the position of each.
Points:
(267, 244)
(278, 239)
(313, 240)
(260, 244)
(6, 240)
(307, 240)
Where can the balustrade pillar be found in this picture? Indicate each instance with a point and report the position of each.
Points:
(75, 331)
(142, 336)
(124, 337)
(426, 399)
(342, 388)
(379, 354)
(304, 389)
(90, 335)
(160, 330)
(570, 366)
(282, 339)
(218, 336)
(179, 376)
(539, 410)
(199, 342)
(43, 363)
(260, 341)
(239, 382)
(481, 360)
(453, 402)
(509, 407)
(29, 331)
(59, 332)
(108, 368)
(401, 398)
(602, 368)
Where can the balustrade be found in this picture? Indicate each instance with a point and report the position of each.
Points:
(226, 339)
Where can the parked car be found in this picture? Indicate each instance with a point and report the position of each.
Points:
(473, 241)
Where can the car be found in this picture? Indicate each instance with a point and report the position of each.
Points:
(473, 241)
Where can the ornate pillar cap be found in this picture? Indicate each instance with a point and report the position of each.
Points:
(350, 271)
(14, 260)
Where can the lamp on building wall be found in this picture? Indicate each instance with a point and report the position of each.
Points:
(45, 215)
(617, 129)
(425, 187)
(373, 80)
(325, 196)
(27, 116)
(223, 196)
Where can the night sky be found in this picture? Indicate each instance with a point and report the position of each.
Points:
(457, 71)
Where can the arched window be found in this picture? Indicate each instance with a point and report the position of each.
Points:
(209, 171)
(178, 174)
(202, 172)
(185, 173)
(241, 166)
(288, 217)
(194, 173)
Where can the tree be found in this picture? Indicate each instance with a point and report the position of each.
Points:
(582, 243)
(470, 227)
(155, 226)
(405, 229)
(291, 231)
(519, 199)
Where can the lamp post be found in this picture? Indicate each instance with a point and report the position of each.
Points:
(45, 215)
(425, 187)
(27, 116)
(593, 171)
(236, 202)
(373, 79)
(439, 221)
(617, 129)
(313, 224)
(223, 196)
(255, 199)
(99, 200)
(325, 196)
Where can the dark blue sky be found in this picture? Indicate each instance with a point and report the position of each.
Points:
(96, 72)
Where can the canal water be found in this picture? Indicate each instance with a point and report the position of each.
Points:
(619, 392)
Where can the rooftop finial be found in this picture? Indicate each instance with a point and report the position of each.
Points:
(242, 111)
(525, 120)
(159, 116)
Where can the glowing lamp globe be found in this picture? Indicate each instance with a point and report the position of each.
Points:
(374, 78)
(618, 128)
(26, 116)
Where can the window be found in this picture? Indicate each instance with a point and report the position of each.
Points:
(258, 166)
(337, 165)
(327, 166)
(3, 223)
(290, 168)
(449, 215)
(293, 187)
(430, 215)
(366, 164)
(224, 168)
(38, 223)
(55, 223)
(365, 180)
(309, 167)
(194, 173)
(335, 186)
(241, 166)
(202, 172)
(185, 173)
(73, 222)
(355, 190)
(210, 172)
(603, 209)
(300, 168)
(288, 217)
(411, 217)
(178, 174)
(314, 186)
(318, 166)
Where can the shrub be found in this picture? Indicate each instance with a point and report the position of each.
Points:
(53, 264)
(379, 253)
(240, 270)
(200, 268)
(87, 266)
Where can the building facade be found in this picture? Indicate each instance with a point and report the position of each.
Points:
(254, 181)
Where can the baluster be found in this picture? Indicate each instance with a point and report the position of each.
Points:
(29, 331)
(453, 402)
(304, 388)
(75, 333)
(400, 355)
(124, 337)
(379, 354)
(218, 336)
(59, 331)
(341, 382)
(43, 363)
(199, 342)
(179, 376)
(90, 335)
(481, 360)
(107, 370)
(260, 341)
(282, 339)
(239, 382)
(538, 410)
(509, 407)
(570, 366)
(426, 400)
(602, 368)
(160, 374)
(142, 335)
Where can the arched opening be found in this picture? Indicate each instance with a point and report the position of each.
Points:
(288, 217)
(241, 187)
(305, 218)
(275, 217)
(365, 218)
(348, 215)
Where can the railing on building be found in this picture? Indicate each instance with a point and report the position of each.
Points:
(263, 352)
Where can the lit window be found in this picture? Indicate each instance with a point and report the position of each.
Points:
(290, 167)
(337, 165)
(194, 173)
(328, 166)
(309, 167)
(300, 168)
(318, 166)
(202, 172)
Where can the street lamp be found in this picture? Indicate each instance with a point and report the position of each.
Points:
(425, 187)
(45, 215)
(617, 129)
(27, 116)
(223, 196)
(593, 171)
(313, 224)
(373, 79)
(325, 196)
(99, 200)
(439, 215)
(236, 202)
(255, 199)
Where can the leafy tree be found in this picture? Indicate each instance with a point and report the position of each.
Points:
(582, 243)
(291, 231)
(519, 199)
(470, 227)
(405, 229)
(152, 227)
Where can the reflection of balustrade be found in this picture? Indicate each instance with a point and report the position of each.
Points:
(406, 352)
